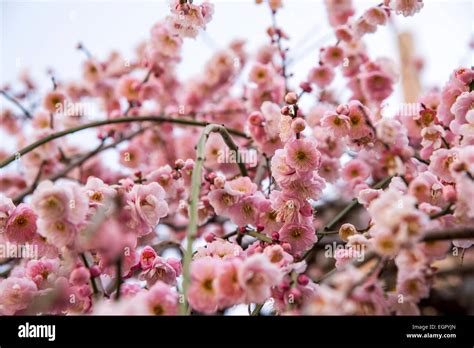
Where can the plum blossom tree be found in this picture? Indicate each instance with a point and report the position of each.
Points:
(241, 234)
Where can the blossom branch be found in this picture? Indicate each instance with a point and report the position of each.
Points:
(17, 103)
(76, 163)
(158, 119)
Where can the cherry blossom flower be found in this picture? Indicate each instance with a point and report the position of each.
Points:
(21, 224)
(16, 294)
(301, 237)
(256, 277)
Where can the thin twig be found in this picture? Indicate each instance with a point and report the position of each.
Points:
(17, 103)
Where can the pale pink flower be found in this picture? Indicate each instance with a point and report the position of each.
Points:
(337, 124)
(376, 15)
(362, 27)
(164, 177)
(221, 200)
(257, 275)
(440, 163)
(129, 87)
(261, 74)
(245, 211)
(160, 270)
(376, 85)
(59, 232)
(344, 33)
(391, 132)
(202, 293)
(179, 26)
(301, 237)
(6, 207)
(339, 11)
(97, 191)
(329, 168)
(322, 75)
(288, 206)
(163, 42)
(43, 272)
(345, 255)
(219, 248)
(80, 276)
(306, 185)
(332, 55)
(9, 121)
(355, 169)
(227, 283)
(54, 101)
(412, 285)
(60, 201)
(357, 116)
(16, 294)
(365, 197)
(432, 137)
(147, 257)
(463, 104)
(241, 186)
(302, 154)
(277, 255)
(147, 204)
(21, 224)
(406, 7)
(281, 170)
(161, 299)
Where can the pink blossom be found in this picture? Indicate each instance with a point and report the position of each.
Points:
(147, 257)
(339, 125)
(163, 42)
(301, 237)
(376, 85)
(161, 299)
(60, 201)
(406, 7)
(16, 294)
(256, 277)
(302, 155)
(128, 88)
(147, 204)
(261, 74)
(376, 15)
(245, 211)
(241, 186)
(462, 105)
(97, 191)
(355, 169)
(202, 293)
(59, 233)
(21, 224)
(160, 270)
(221, 200)
(43, 272)
(219, 248)
(80, 276)
(440, 163)
(277, 255)
(53, 101)
(322, 75)
(339, 11)
(227, 283)
(333, 55)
